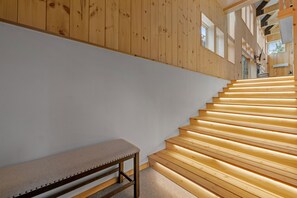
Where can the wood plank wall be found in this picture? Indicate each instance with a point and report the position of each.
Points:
(167, 31)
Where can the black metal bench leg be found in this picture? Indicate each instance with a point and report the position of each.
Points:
(136, 175)
(121, 169)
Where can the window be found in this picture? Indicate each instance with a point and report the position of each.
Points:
(231, 24)
(207, 33)
(247, 15)
(275, 47)
(231, 51)
(220, 42)
(204, 35)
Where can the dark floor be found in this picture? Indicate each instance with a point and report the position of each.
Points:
(152, 185)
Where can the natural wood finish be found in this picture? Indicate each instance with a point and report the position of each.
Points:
(154, 50)
(162, 30)
(136, 27)
(58, 17)
(238, 5)
(125, 26)
(9, 10)
(97, 22)
(112, 24)
(108, 183)
(79, 19)
(146, 29)
(295, 36)
(32, 13)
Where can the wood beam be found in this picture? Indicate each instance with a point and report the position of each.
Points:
(273, 31)
(268, 10)
(273, 37)
(269, 22)
(238, 5)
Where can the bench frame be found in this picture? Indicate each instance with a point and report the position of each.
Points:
(119, 169)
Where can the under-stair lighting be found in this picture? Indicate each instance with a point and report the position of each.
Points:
(266, 82)
(254, 93)
(253, 116)
(257, 107)
(263, 87)
(202, 191)
(246, 128)
(262, 99)
(237, 171)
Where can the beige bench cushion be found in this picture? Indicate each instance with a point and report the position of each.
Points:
(28, 176)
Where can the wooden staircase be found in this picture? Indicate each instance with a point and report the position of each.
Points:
(244, 144)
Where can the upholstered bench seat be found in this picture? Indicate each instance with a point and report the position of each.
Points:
(30, 176)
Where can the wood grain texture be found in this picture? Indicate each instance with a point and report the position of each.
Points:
(32, 13)
(79, 19)
(154, 30)
(168, 25)
(112, 24)
(125, 26)
(97, 22)
(162, 31)
(146, 29)
(58, 17)
(8, 10)
(136, 27)
(174, 18)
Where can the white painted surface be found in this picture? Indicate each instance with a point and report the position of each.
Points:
(57, 94)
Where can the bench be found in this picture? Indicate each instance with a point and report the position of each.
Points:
(42, 175)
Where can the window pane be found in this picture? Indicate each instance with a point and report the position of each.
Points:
(275, 47)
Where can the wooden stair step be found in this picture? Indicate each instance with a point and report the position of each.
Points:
(288, 130)
(257, 101)
(283, 112)
(258, 84)
(271, 158)
(248, 131)
(249, 140)
(269, 79)
(278, 123)
(266, 168)
(233, 171)
(261, 88)
(287, 95)
(185, 179)
(221, 183)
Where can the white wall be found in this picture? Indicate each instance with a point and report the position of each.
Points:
(57, 94)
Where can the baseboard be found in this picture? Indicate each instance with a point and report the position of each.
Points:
(108, 183)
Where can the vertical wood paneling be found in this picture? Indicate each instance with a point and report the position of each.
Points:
(180, 43)
(97, 22)
(174, 31)
(125, 26)
(154, 29)
(32, 13)
(112, 24)
(192, 35)
(79, 19)
(162, 31)
(185, 33)
(8, 10)
(168, 57)
(146, 30)
(136, 27)
(58, 17)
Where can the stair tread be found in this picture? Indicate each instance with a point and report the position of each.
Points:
(252, 113)
(224, 184)
(254, 102)
(283, 129)
(254, 164)
(222, 173)
(288, 148)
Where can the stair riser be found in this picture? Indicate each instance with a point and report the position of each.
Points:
(257, 143)
(270, 111)
(247, 89)
(257, 133)
(252, 119)
(254, 84)
(259, 95)
(285, 103)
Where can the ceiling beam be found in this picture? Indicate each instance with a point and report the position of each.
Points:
(238, 5)
(269, 22)
(261, 6)
(273, 37)
(268, 10)
(274, 30)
